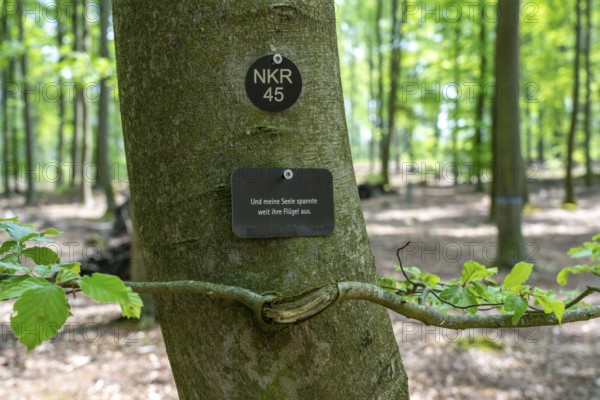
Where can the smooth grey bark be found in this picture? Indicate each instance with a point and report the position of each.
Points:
(78, 104)
(456, 109)
(480, 107)
(6, 78)
(60, 148)
(388, 136)
(380, 88)
(85, 189)
(587, 109)
(27, 115)
(508, 188)
(569, 184)
(103, 164)
(188, 125)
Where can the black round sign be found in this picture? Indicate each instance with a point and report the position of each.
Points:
(273, 83)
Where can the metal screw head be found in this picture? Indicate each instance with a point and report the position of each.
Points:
(277, 59)
(288, 174)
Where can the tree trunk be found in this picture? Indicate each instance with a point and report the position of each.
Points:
(480, 107)
(380, 88)
(372, 110)
(456, 109)
(85, 190)
(79, 100)
(60, 149)
(387, 137)
(541, 157)
(528, 133)
(27, 117)
(5, 126)
(138, 271)
(103, 165)
(588, 96)
(15, 109)
(569, 185)
(508, 180)
(188, 125)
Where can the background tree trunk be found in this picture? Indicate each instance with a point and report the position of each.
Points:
(569, 185)
(103, 164)
(589, 173)
(509, 175)
(383, 134)
(27, 117)
(480, 107)
(79, 100)
(60, 148)
(6, 78)
(188, 125)
(391, 136)
(85, 189)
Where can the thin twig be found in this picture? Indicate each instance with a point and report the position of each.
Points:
(583, 295)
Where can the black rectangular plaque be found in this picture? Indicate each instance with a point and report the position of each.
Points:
(282, 202)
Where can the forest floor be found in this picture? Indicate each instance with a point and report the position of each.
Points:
(95, 357)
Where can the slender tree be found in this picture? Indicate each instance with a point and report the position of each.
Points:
(395, 59)
(79, 99)
(372, 111)
(569, 185)
(380, 85)
(456, 109)
(184, 136)
(60, 148)
(85, 189)
(509, 174)
(6, 78)
(480, 106)
(104, 175)
(588, 95)
(541, 145)
(27, 113)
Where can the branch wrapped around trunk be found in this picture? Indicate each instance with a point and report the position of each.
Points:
(273, 310)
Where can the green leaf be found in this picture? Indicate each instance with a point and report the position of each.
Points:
(563, 275)
(517, 276)
(551, 306)
(72, 268)
(51, 231)
(16, 286)
(452, 293)
(430, 279)
(103, 288)
(7, 246)
(473, 271)
(41, 255)
(132, 307)
(39, 314)
(109, 289)
(460, 297)
(12, 266)
(11, 259)
(490, 294)
(515, 305)
(415, 272)
(20, 232)
(580, 252)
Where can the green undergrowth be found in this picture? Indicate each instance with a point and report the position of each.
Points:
(478, 289)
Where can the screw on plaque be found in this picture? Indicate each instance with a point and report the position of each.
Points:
(277, 59)
(288, 174)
